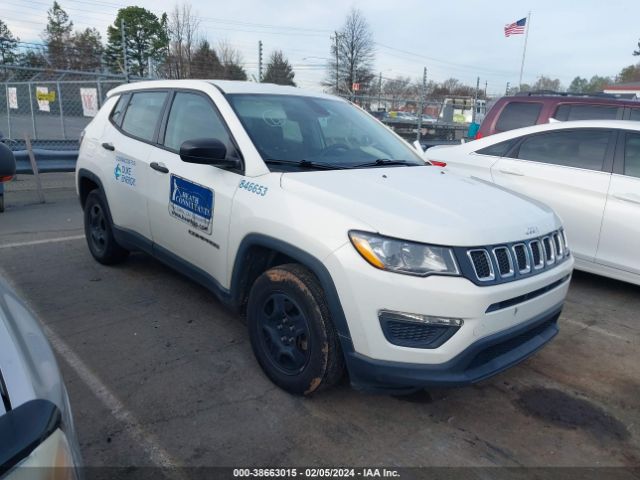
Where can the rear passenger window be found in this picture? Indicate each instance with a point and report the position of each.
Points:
(118, 110)
(585, 112)
(142, 114)
(497, 150)
(192, 116)
(632, 155)
(518, 115)
(571, 148)
(635, 114)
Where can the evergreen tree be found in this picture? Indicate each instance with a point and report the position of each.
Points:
(205, 62)
(145, 39)
(57, 36)
(8, 44)
(279, 70)
(86, 50)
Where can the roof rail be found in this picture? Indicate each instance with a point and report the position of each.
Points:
(551, 93)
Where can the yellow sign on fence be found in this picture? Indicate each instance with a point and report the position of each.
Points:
(46, 96)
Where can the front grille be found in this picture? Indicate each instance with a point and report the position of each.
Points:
(503, 259)
(487, 265)
(522, 258)
(481, 264)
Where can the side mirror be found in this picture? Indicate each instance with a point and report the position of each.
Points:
(7, 163)
(207, 151)
(23, 429)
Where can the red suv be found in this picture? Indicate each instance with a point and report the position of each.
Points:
(524, 110)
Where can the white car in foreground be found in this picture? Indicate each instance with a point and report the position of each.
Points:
(328, 230)
(587, 171)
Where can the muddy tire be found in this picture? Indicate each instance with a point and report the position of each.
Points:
(291, 332)
(99, 231)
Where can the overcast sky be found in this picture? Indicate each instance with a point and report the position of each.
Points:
(455, 38)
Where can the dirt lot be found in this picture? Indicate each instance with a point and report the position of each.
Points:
(160, 374)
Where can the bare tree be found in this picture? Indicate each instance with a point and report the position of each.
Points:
(396, 89)
(231, 60)
(183, 27)
(354, 51)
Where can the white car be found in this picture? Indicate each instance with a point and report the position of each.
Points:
(587, 171)
(37, 434)
(341, 246)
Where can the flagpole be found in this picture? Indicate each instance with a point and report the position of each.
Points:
(524, 51)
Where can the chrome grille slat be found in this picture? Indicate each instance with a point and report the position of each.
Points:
(558, 244)
(502, 255)
(482, 265)
(537, 259)
(524, 266)
(549, 253)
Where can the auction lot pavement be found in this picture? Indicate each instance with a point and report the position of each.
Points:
(159, 373)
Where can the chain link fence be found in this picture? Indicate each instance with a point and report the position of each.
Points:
(432, 121)
(49, 106)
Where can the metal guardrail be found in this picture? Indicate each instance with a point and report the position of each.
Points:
(48, 161)
(60, 156)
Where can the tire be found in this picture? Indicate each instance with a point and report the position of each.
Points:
(308, 358)
(99, 231)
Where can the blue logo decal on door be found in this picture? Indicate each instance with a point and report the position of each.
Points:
(191, 203)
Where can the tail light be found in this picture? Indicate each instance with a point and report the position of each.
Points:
(478, 136)
(437, 163)
(6, 178)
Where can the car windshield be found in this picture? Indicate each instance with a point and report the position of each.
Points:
(297, 132)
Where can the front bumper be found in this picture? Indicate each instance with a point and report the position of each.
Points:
(490, 315)
(482, 359)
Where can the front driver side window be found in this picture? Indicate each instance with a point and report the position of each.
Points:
(192, 116)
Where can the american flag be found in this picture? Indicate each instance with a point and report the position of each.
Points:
(516, 28)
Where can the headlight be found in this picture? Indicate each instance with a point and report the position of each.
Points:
(401, 256)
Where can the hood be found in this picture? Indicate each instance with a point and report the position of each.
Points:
(425, 204)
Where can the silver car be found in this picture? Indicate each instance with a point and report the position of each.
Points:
(36, 425)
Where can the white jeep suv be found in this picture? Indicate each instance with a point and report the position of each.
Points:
(343, 249)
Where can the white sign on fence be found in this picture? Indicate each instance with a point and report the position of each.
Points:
(41, 94)
(12, 94)
(89, 101)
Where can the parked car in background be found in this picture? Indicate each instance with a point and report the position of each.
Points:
(587, 171)
(36, 425)
(533, 108)
(7, 170)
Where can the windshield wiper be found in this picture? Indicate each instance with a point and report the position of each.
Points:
(383, 162)
(306, 164)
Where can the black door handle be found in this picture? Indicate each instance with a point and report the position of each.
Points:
(159, 167)
(108, 146)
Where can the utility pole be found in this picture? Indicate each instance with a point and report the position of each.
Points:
(379, 89)
(124, 51)
(337, 64)
(507, 90)
(260, 61)
(485, 90)
(475, 101)
(422, 99)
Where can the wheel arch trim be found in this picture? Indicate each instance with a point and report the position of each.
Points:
(304, 258)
